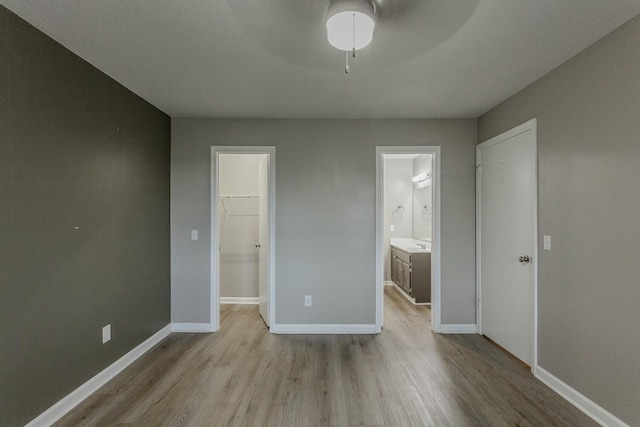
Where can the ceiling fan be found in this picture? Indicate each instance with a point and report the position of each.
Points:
(350, 23)
(296, 30)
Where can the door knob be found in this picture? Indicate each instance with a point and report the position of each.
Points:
(525, 259)
(257, 245)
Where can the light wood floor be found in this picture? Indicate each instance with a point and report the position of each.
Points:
(406, 376)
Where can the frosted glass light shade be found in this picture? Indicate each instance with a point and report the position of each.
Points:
(341, 18)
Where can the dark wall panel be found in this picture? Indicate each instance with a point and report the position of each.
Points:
(84, 220)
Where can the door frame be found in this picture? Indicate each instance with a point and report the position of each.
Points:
(435, 238)
(532, 126)
(214, 309)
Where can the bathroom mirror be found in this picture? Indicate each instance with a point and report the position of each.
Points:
(422, 198)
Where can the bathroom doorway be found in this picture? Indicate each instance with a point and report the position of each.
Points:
(408, 230)
(242, 231)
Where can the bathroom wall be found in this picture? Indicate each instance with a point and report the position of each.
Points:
(239, 229)
(398, 191)
(422, 195)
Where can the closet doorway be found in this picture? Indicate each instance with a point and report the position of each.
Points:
(242, 241)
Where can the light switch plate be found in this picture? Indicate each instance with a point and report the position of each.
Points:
(307, 301)
(194, 234)
(547, 243)
(106, 334)
(392, 227)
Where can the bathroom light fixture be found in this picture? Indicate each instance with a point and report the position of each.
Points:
(422, 177)
(350, 25)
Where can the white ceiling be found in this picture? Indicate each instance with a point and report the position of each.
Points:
(271, 59)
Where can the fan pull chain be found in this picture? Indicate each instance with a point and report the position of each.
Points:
(354, 33)
(346, 66)
(346, 56)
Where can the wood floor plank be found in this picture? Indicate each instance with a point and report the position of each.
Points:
(406, 376)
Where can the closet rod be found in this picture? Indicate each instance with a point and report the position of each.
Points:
(240, 196)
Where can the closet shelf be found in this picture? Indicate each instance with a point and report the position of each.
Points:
(232, 205)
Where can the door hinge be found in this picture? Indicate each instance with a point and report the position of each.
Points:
(479, 168)
(479, 303)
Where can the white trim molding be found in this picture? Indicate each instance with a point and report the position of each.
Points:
(577, 399)
(330, 329)
(407, 296)
(436, 239)
(191, 327)
(469, 328)
(240, 300)
(73, 399)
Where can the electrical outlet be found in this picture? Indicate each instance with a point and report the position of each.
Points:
(106, 334)
(547, 243)
(194, 234)
(307, 301)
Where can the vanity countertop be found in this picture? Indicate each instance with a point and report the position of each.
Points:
(412, 246)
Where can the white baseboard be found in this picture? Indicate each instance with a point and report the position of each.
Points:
(323, 329)
(73, 399)
(458, 329)
(388, 283)
(239, 300)
(191, 327)
(407, 296)
(577, 399)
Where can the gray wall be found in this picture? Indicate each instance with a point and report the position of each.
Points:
(588, 114)
(325, 212)
(76, 150)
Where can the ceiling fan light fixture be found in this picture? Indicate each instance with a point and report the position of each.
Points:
(350, 24)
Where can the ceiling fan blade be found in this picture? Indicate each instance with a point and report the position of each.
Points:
(388, 10)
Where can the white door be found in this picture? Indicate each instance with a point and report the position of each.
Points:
(507, 203)
(263, 236)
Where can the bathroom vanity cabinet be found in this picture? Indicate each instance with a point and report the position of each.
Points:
(412, 273)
